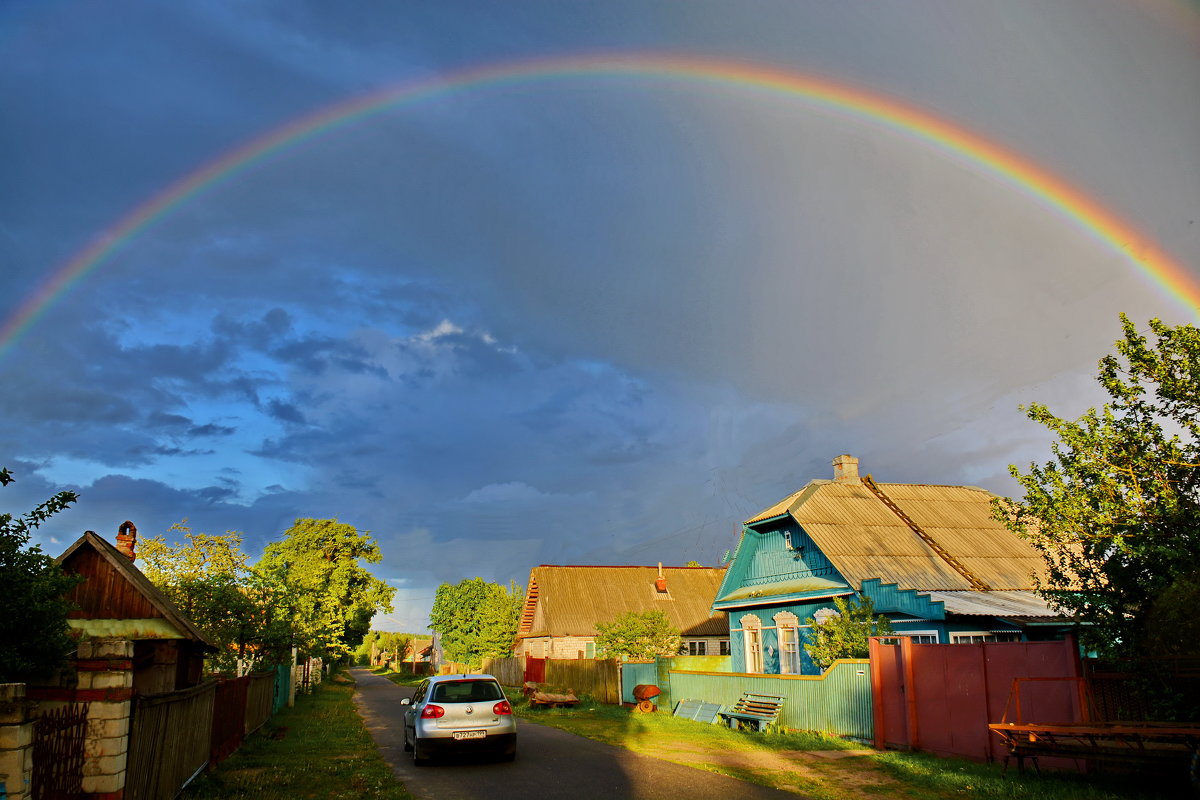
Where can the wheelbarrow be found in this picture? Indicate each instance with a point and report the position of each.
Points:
(644, 694)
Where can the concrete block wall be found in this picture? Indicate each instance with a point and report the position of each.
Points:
(16, 741)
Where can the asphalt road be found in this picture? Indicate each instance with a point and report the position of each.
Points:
(550, 764)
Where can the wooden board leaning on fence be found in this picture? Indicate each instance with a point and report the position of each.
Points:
(537, 696)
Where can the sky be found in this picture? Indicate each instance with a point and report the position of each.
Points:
(508, 284)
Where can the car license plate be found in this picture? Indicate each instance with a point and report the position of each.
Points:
(470, 734)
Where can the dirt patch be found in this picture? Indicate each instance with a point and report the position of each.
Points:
(795, 770)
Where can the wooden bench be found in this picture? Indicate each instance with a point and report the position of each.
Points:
(760, 709)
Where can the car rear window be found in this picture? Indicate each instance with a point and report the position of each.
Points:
(467, 692)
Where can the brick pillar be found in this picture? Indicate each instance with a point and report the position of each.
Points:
(16, 741)
(105, 668)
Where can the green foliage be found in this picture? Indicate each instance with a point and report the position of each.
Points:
(638, 635)
(385, 646)
(333, 597)
(243, 612)
(1116, 513)
(33, 606)
(476, 619)
(846, 634)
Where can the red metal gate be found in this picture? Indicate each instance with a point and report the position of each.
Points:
(535, 670)
(58, 739)
(940, 697)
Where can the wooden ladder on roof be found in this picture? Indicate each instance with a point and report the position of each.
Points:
(942, 552)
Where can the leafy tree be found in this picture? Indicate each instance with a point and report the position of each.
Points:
(476, 619)
(243, 612)
(33, 605)
(845, 633)
(638, 635)
(333, 596)
(1116, 513)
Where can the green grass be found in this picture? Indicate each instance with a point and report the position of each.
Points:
(776, 758)
(318, 749)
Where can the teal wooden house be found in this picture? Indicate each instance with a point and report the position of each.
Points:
(930, 558)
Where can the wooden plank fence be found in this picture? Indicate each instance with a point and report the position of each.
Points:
(509, 671)
(260, 694)
(169, 741)
(599, 678)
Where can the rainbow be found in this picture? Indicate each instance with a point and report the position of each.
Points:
(980, 153)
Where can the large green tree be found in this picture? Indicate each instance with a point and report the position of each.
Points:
(33, 606)
(1116, 512)
(638, 635)
(242, 611)
(476, 619)
(333, 597)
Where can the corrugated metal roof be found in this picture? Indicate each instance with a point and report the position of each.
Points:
(995, 604)
(864, 539)
(572, 599)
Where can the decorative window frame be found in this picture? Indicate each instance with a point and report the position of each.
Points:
(752, 642)
(789, 661)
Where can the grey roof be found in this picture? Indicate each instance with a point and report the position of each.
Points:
(995, 604)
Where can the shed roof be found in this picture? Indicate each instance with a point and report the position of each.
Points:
(122, 593)
(571, 600)
(864, 538)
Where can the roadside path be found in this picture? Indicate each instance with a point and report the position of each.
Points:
(551, 764)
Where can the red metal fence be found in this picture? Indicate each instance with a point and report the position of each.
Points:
(58, 742)
(228, 718)
(940, 697)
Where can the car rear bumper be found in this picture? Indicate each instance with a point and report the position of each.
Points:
(498, 744)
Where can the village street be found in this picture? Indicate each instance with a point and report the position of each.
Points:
(550, 763)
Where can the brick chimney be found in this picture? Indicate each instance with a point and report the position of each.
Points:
(845, 469)
(126, 539)
(660, 583)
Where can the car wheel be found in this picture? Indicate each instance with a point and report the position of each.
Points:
(509, 756)
(420, 756)
(407, 744)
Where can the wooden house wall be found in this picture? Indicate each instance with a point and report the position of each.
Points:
(772, 560)
(105, 594)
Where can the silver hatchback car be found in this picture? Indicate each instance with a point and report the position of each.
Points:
(459, 714)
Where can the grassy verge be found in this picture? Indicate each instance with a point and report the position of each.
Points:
(317, 749)
(400, 678)
(809, 763)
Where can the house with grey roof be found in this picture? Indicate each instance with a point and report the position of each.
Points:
(930, 558)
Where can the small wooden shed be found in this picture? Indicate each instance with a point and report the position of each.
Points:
(116, 600)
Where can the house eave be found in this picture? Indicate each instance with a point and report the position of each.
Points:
(797, 597)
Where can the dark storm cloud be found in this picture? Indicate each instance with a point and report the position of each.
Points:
(574, 319)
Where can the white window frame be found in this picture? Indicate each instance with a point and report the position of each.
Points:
(787, 626)
(724, 648)
(697, 645)
(981, 637)
(752, 642)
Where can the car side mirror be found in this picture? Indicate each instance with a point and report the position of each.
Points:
(406, 702)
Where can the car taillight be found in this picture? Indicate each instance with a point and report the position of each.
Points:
(432, 712)
(501, 708)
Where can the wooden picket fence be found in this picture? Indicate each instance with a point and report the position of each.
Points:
(169, 739)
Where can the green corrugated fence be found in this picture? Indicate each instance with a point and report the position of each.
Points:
(838, 702)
